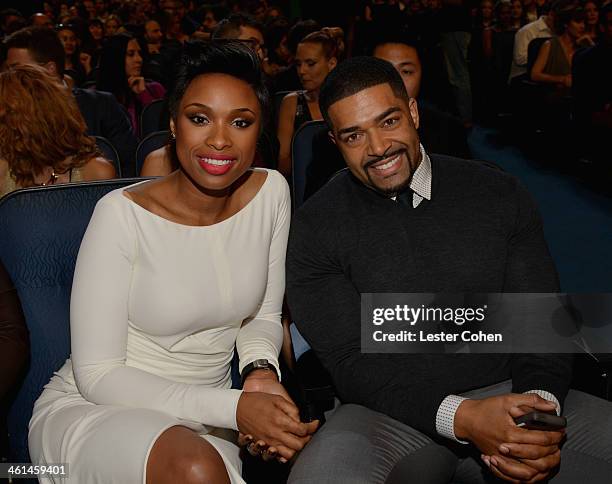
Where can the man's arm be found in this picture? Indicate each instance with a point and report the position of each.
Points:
(326, 309)
(521, 44)
(488, 423)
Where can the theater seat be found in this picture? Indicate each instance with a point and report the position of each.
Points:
(301, 157)
(109, 152)
(41, 233)
(151, 143)
(316, 382)
(153, 118)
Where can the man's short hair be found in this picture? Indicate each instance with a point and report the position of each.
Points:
(353, 76)
(229, 28)
(42, 43)
(393, 36)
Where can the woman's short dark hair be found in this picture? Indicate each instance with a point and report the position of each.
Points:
(231, 57)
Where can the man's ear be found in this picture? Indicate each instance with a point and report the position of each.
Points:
(332, 137)
(414, 112)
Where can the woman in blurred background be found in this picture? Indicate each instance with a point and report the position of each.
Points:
(591, 21)
(317, 54)
(120, 73)
(554, 62)
(55, 148)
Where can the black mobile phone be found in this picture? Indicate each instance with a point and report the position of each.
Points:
(541, 421)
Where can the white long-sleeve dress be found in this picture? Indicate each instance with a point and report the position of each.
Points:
(156, 311)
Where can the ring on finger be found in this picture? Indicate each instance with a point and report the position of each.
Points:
(251, 449)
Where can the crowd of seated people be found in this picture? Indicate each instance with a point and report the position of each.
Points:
(90, 68)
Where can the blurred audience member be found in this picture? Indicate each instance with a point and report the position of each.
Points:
(101, 111)
(101, 9)
(153, 36)
(530, 10)
(41, 20)
(288, 80)
(14, 338)
(591, 21)
(455, 39)
(11, 21)
(554, 62)
(67, 34)
(534, 30)
(517, 14)
(242, 27)
(7, 17)
(210, 16)
(112, 25)
(439, 132)
(592, 95)
(316, 56)
(57, 150)
(120, 73)
(96, 32)
(503, 17)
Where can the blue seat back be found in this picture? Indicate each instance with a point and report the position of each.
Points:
(151, 143)
(110, 153)
(153, 118)
(40, 235)
(301, 157)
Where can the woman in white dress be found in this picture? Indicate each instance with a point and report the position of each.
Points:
(172, 275)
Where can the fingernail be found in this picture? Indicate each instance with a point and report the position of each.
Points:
(503, 449)
(283, 460)
(485, 459)
(494, 461)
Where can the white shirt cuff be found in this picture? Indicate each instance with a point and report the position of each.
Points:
(547, 396)
(445, 418)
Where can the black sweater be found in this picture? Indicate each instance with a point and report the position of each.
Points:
(480, 232)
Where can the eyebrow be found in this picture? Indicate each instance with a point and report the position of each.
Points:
(407, 63)
(204, 106)
(378, 119)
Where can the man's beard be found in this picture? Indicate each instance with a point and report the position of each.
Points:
(395, 189)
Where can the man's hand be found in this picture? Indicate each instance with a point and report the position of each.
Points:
(266, 381)
(512, 453)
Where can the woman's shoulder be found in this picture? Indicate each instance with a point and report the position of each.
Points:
(274, 181)
(275, 188)
(97, 168)
(157, 163)
(291, 98)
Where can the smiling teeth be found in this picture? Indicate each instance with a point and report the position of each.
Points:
(389, 164)
(216, 162)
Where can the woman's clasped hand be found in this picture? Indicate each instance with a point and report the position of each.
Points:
(269, 421)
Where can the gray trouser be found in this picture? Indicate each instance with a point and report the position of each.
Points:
(360, 446)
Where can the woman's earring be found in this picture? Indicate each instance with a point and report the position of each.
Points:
(172, 135)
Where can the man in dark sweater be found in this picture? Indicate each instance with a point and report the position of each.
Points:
(439, 132)
(400, 221)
